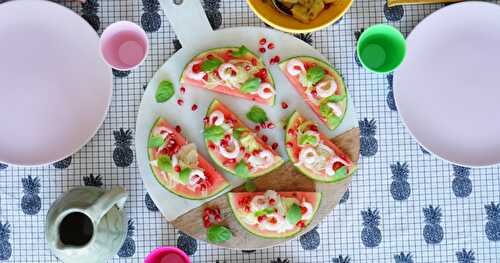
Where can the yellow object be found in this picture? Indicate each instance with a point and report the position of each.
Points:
(266, 11)
(391, 3)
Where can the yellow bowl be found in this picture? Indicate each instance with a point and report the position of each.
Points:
(266, 11)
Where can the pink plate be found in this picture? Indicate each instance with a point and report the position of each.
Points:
(54, 88)
(447, 90)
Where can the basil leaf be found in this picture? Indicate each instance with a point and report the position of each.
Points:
(315, 74)
(218, 234)
(341, 172)
(237, 132)
(264, 211)
(257, 115)
(294, 215)
(165, 164)
(184, 175)
(250, 186)
(241, 51)
(333, 120)
(250, 85)
(165, 91)
(241, 169)
(335, 98)
(155, 141)
(210, 65)
(307, 139)
(214, 133)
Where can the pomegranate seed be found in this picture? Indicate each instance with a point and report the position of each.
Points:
(214, 119)
(262, 41)
(270, 125)
(272, 201)
(178, 129)
(247, 209)
(291, 132)
(183, 90)
(205, 77)
(297, 68)
(196, 68)
(206, 217)
(274, 146)
(273, 220)
(301, 224)
(314, 92)
(247, 68)
(194, 107)
(271, 61)
(242, 149)
(211, 146)
(303, 210)
(263, 73)
(205, 120)
(177, 169)
(180, 102)
(313, 128)
(284, 105)
(217, 211)
(262, 50)
(263, 125)
(218, 218)
(261, 218)
(255, 152)
(206, 211)
(207, 224)
(270, 45)
(254, 61)
(289, 144)
(257, 128)
(210, 56)
(227, 137)
(277, 59)
(264, 138)
(246, 156)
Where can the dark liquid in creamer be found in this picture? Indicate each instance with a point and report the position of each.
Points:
(76, 229)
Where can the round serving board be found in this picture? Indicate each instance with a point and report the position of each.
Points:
(194, 32)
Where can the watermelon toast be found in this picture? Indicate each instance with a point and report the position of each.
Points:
(273, 214)
(235, 71)
(321, 86)
(313, 153)
(178, 167)
(234, 147)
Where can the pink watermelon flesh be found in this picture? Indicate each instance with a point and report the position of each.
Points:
(238, 201)
(293, 150)
(294, 80)
(224, 53)
(215, 181)
(222, 161)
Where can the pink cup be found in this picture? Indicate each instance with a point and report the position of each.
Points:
(167, 255)
(124, 45)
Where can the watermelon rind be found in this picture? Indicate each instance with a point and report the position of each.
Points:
(261, 63)
(231, 201)
(291, 120)
(337, 76)
(212, 105)
(172, 190)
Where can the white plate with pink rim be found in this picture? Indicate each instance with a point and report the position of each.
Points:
(447, 89)
(55, 89)
(194, 42)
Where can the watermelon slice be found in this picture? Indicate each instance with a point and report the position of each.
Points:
(233, 71)
(235, 147)
(320, 85)
(178, 167)
(313, 153)
(273, 214)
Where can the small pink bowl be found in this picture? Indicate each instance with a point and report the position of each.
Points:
(167, 255)
(124, 45)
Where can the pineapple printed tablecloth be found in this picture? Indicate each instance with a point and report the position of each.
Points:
(403, 205)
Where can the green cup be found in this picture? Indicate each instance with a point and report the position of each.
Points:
(381, 48)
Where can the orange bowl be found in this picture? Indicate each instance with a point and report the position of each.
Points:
(266, 11)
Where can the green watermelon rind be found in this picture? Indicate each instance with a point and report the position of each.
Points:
(222, 187)
(337, 76)
(217, 162)
(259, 59)
(303, 170)
(278, 236)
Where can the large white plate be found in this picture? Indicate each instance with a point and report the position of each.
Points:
(447, 90)
(54, 88)
(170, 205)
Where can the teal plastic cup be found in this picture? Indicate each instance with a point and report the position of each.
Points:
(381, 48)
